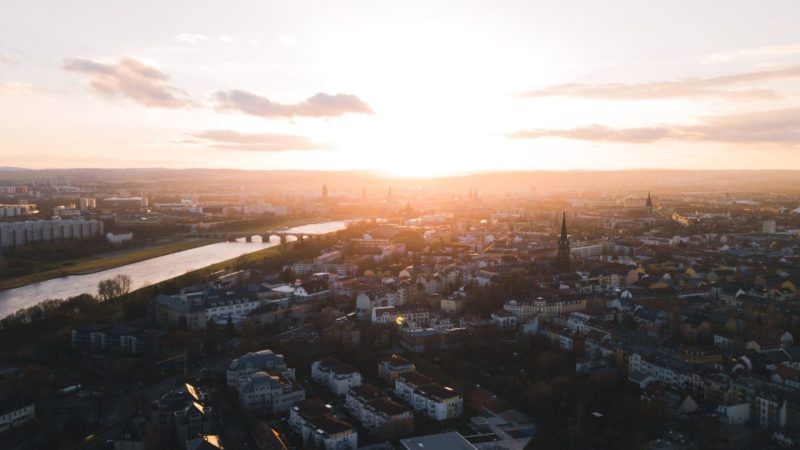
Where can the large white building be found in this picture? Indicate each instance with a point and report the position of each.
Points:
(358, 396)
(529, 308)
(12, 416)
(329, 433)
(392, 366)
(15, 234)
(270, 392)
(376, 411)
(435, 401)
(250, 363)
(195, 309)
(335, 375)
(313, 420)
(16, 210)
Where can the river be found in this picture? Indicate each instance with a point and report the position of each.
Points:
(145, 273)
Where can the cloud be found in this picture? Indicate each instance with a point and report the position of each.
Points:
(597, 133)
(780, 126)
(5, 59)
(685, 87)
(190, 38)
(771, 50)
(130, 79)
(288, 40)
(195, 39)
(15, 87)
(319, 105)
(259, 142)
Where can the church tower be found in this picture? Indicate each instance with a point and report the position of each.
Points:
(649, 204)
(562, 257)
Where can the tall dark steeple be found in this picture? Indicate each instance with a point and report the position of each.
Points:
(649, 203)
(562, 257)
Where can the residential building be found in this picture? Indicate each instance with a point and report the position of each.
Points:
(14, 415)
(182, 414)
(269, 391)
(335, 375)
(249, 363)
(390, 367)
(313, 421)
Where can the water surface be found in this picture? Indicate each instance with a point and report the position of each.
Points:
(144, 273)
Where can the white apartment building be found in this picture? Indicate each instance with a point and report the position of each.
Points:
(385, 315)
(335, 375)
(438, 402)
(504, 319)
(271, 392)
(250, 363)
(526, 309)
(358, 397)
(423, 395)
(329, 433)
(660, 368)
(406, 383)
(14, 234)
(386, 414)
(300, 412)
(389, 368)
(16, 415)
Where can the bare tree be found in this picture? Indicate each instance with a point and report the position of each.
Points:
(114, 287)
(123, 284)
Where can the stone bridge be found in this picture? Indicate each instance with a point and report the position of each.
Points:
(237, 236)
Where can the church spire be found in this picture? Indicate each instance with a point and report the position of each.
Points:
(562, 257)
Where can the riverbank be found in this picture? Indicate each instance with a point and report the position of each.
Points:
(101, 262)
(152, 271)
(98, 264)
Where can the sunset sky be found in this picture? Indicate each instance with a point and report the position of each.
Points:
(415, 88)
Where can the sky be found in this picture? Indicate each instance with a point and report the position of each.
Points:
(411, 88)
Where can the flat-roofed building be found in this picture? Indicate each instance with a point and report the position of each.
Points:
(249, 363)
(443, 441)
(335, 375)
(392, 366)
(270, 392)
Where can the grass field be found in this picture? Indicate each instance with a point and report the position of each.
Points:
(109, 261)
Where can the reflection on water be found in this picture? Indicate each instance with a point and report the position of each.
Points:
(144, 273)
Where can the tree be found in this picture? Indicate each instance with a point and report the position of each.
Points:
(114, 287)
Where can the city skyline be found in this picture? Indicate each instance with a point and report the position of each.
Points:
(410, 90)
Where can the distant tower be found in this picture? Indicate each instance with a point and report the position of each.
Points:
(389, 196)
(363, 193)
(649, 203)
(562, 257)
(324, 192)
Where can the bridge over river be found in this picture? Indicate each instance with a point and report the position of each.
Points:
(300, 233)
(265, 237)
